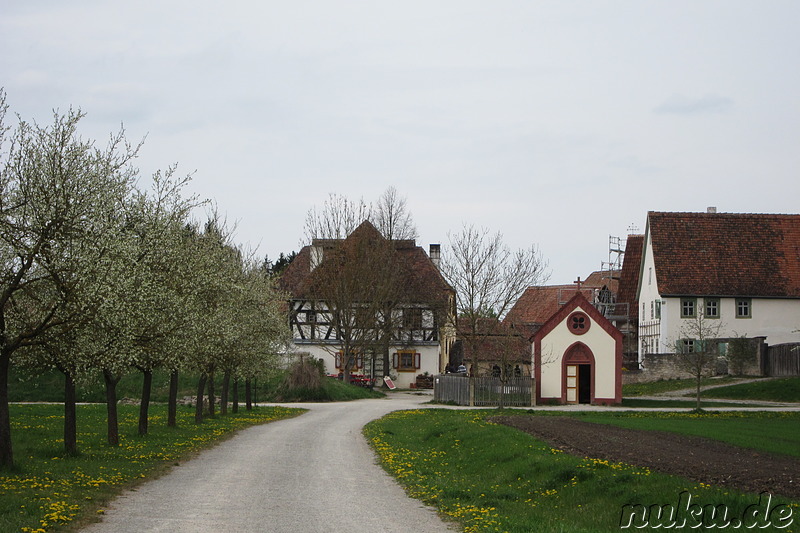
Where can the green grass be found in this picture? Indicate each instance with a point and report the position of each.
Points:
(48, 386)
(332, 390)
(489, 477)
(667, 385)
(688, 403)
(773, 390)
(48, 490)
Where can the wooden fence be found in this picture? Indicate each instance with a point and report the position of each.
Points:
(782, 360)
(516, 392)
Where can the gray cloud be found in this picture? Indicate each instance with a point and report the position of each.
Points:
(684, 105)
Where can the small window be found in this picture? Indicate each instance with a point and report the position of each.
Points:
(688, 307)
(712, 308)
(744, 308)
(687, 345)
(650, 277)
(578, 323)
(658, 309)
(652, 310)
(406, 361)
(412, 318)
(311, 317)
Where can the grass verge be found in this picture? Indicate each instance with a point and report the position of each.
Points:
(668, 385)
(50, 491)
(773, 390)
(688, 403)
(489, 477)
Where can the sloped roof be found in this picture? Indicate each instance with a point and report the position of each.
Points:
(497, 340)
(603, 278)
(726, 254)
(420, 278)
(629, 278)
(537, 304)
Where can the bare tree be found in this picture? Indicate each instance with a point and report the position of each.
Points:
(392, 218)
(696, 349)
(358, 284)
(488, 278)
(337, 218)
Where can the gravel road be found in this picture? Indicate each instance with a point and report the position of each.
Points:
(311, 473)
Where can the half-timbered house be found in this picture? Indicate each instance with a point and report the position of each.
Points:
(393, 318)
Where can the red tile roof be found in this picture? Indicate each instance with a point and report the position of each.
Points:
(726, 254)
(537, 304)
(629, 278)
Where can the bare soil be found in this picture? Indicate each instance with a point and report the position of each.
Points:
(695, 458)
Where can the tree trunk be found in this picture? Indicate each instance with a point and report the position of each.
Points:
(235, 399)
(699, 378)
(172, 401)
(212, 399)
(111, 407)
(198, 404)
(70, 416)
(223, 400)
(6, 451)
(144, 407)
(248, 395)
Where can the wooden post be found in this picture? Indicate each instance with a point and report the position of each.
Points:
(472, 391)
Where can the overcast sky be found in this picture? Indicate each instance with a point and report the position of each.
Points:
(557, 123)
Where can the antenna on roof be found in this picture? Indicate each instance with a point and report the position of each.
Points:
(633, 229)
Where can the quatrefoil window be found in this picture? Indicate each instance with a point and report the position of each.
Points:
(578, 323)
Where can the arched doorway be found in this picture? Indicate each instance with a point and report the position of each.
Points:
(578, 372)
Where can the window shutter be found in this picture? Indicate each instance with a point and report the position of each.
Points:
(395, 360)
(339, 360)
(416, 360)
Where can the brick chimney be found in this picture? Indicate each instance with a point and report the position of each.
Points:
(436, 254)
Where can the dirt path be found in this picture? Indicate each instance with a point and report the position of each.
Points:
(312, 473)
(702, 460)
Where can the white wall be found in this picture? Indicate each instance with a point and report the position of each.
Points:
(429, 361)
(776, 319)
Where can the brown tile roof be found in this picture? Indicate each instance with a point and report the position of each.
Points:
(496, 340)
(603, 278)
(422, 280)
(629, 278)
(537, 304)
(726, 254)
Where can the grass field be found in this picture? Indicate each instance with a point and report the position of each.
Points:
(773, 390)
(49, 491)
(488, 477)
(667, 385)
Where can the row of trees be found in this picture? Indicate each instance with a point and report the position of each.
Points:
(102, 276)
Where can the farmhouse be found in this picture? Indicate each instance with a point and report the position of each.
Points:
(742, 270)
(577, 356)
(339, 303)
